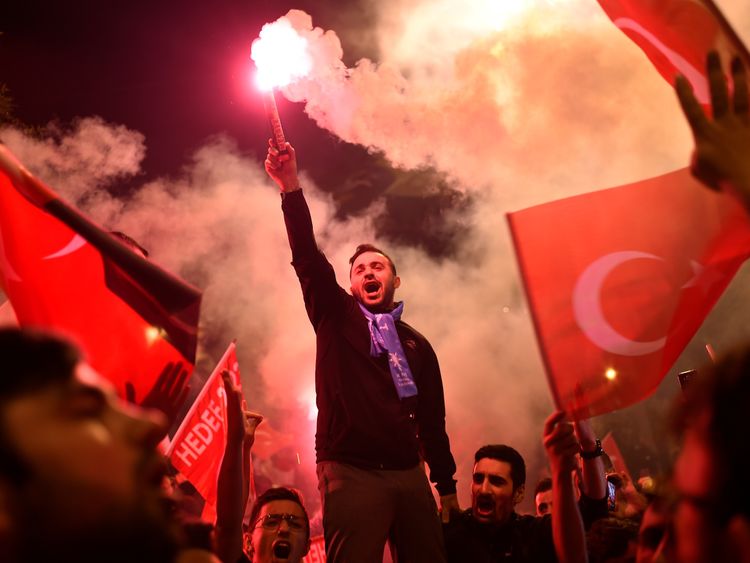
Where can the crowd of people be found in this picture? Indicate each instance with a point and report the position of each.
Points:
(82, 479)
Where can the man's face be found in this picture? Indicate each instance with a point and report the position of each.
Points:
(94, 476)
(492, 496)
(543, 503)
(373, 281)
(280, 533)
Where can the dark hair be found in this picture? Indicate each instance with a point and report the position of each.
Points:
(367, 247)
(279, 493)
(501, 452)
(31, 361)
(543, 486)
(722, 392)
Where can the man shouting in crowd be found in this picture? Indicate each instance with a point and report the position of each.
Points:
(379, 396)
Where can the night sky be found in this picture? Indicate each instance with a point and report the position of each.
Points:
(178, 72)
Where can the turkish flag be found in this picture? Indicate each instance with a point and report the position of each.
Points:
(61, 271)
(676, 36)
(619, 280)
(198, 445)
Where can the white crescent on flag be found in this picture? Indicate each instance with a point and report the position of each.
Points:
(75, 243)
(588, 310)
(695, 77)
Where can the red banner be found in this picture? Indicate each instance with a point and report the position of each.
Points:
(198, 445)
(618, 282)
(61, 271)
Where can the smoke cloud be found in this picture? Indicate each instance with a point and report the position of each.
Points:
(514, 105)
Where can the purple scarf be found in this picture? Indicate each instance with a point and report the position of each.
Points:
(384, 338)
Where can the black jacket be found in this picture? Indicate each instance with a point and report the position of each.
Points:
(361, 420)
(523, 539)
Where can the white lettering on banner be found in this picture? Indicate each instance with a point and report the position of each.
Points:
(212, 416)
(202, 433)
(185, 453)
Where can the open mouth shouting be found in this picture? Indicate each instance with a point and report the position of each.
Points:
(282, 549)
(372, 289)
(485, 506)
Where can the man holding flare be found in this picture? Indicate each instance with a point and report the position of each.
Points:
(379, 395)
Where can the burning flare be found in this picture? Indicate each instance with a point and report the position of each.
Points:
(280, 55)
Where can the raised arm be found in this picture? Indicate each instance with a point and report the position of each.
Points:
(567, 526)
(721, 158)
(594, 478)
(320, 289)
(230, 505)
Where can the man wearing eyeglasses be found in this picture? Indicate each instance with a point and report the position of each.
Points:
(279, 527)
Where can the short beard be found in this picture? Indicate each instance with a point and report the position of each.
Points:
(50, 524)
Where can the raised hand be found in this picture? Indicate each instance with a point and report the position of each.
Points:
(282, 167)
(560, 442)
(721, 158)
(235, 415)
(252, 420)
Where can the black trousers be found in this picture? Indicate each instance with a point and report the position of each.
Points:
(362, 508)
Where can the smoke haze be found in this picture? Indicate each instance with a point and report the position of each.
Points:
(514, 107)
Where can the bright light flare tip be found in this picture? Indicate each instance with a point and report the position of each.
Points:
(280, 55)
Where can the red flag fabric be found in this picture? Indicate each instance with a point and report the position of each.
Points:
(198, 445)
(61, 271)
(676, 36)
(609, 445)
(317, 553)
(619, 280)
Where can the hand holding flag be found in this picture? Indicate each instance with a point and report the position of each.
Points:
(616, 303)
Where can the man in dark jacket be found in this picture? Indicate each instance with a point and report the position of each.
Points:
(379, 395)
(491, 531)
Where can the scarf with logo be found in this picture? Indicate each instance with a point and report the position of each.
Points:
(384, 339)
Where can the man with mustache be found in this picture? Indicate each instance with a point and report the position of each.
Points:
(380, 400)
(491, 531)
